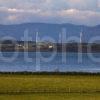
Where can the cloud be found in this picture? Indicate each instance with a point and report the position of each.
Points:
(80, 17)
(70, 11)
(12, 18)
(51, 4)
(83, 4)
(98, 3)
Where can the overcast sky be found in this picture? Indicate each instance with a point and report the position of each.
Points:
(85, 12)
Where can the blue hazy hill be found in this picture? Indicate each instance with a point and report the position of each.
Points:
(51, 30)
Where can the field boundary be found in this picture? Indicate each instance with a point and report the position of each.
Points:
(49, 73)
(46, 91)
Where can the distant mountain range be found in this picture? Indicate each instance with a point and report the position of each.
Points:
(52, 30)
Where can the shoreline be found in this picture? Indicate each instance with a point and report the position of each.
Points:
(8, 46)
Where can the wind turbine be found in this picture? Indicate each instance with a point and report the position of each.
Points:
(37, 33)
(81, 35)
(80, 45)
(60, 38)
(37, 53)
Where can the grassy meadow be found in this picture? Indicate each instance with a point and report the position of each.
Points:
(49, 87)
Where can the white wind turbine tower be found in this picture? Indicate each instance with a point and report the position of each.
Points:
(37, 53)
(80, 46)
(37, 33)
(60, 38)
(81, 35)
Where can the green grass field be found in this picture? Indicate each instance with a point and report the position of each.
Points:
(49, 87)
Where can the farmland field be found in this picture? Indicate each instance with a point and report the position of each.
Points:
(51, 97)
(53, 87)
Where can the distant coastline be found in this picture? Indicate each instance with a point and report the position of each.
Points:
(19, 46)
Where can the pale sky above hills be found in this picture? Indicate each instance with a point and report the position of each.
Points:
(85, 12)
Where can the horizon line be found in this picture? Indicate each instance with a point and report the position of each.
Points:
(50, 24)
